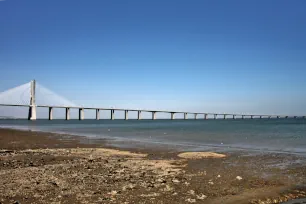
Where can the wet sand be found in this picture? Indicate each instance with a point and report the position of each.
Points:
(50, 168)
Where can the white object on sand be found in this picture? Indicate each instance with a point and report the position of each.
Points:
(239, 178)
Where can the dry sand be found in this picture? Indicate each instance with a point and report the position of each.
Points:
(200, 155)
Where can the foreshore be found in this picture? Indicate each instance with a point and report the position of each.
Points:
(38, 167)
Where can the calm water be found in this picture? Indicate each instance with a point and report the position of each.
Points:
(285, 135)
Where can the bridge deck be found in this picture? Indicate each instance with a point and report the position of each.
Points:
(145, 110)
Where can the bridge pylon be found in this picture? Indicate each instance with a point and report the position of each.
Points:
(32, 108)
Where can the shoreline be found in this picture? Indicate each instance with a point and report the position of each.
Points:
(136, 144)
(40, 167)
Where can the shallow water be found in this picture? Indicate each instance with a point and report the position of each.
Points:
(282, 135)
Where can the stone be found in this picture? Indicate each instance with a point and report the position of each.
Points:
(239, 178)
(168, 188)
(113, 193)
(160, 180)
(201, 197)
(175, 181)
(191, 192)
(191, 200)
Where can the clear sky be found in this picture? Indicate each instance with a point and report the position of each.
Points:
(222, 56)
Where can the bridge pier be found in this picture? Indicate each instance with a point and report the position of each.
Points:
(185, 116)
(277, 117)
(195, 116)
(67, 113)
(224, 116)
(242, 117)
(260, 117)
(126, 117)
(205, 116)
(81, 113)
(234, 117)
(32, 113)
(172, 116)
(215, 116)
(50, 113)
(112, 114)
(252, 116)
(153, 115)
(32, 109)
(97, 114)
(139, 115)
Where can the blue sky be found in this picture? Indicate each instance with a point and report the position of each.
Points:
(222, 56)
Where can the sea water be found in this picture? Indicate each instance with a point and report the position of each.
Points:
(282, 135)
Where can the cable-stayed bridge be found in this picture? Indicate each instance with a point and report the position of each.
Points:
(33, 95)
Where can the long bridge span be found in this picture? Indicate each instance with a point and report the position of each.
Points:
(32, 115)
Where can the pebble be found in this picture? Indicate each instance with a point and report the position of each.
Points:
(191, 200)
(219, 176)
(113, 193)
(211, 183)
(239, 178)
(191, 192)
(201, 197)
(160, 180)
(175, 181)
(168, 188)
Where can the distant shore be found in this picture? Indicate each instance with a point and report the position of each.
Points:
(38, 167)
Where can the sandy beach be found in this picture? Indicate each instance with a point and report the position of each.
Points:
(50, 168)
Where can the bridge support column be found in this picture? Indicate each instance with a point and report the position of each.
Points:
(242, 117)
(67, 113)
(97, 114)
(32, 109)
(50, 113)
(251, 117)
(234, 117)
(81, 113)
(224, 116)
(205, 116)
(269, 117)
(139, 115)
(277, 117)
(260, 117)
(112, 114)
(172, 116)
(126, 117)
(215, 116)
(32, 113)
(153, 115)
(185, 116)
(195, 116)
